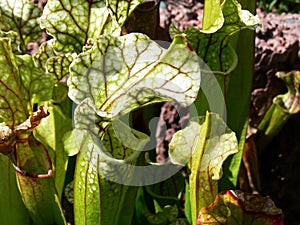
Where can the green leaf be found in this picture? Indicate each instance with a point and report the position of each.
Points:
(45, 52)
(213, 45)
(121, 9)
(167, 192)
(146, 216)
(21, 85)
(11, 202)
(13, 108)
(91, 183)
(168, 214)
(235, 207)
(59, 66)
(188, 137)
(36, 86)
(125, 73)
(213, 18)
(204, 147)
(283, 107)
(38, 194)
(101, 168)
(179, 221)
(113, 77)
(54, 63)
(15, 40)
(238, 98)
(70, 143)
(21, 16)
(165, 196)
(220, 50)
(73, 23)
(289, 102)
(141, 206)
(50, 132)
(187, 203)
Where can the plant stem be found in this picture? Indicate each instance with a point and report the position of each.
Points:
(283, 107)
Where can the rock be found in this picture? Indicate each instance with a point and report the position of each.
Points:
(277, 48)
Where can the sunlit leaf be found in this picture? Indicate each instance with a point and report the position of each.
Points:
(72, 23)
(204, 147)
(45, 52)
(215, 44)
(50, 133)
(102, 167)
(54, 63)
(21, 85)
(36, 86)
(289, 102)
(213, 18)
(15, 40)
(13, 108)
(125, 73)
(116, 76)
(121, 9)
(38, 194)
(212, 45)
(59, 66)
(238, 208)
(21, 16)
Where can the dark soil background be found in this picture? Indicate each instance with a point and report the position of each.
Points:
(277, 49)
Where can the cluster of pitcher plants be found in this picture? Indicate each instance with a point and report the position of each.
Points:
(66, 125)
